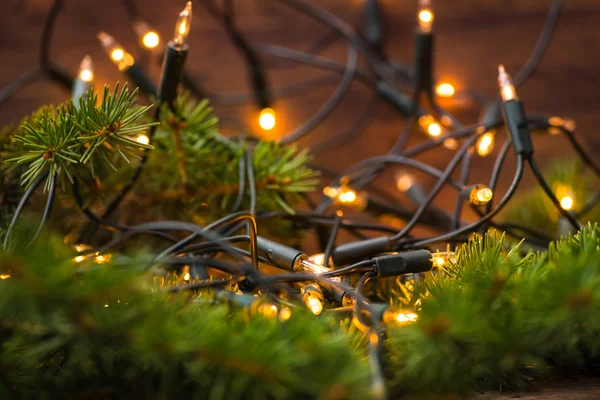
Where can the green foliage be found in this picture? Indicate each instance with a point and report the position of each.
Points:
(63, 139)
(193, 172)
(497, 320)
(80, 330)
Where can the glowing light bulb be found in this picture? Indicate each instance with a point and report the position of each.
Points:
(344, 195)
(79, 259)
(313, 298)
(434, 129)
(102, 258)
(399, 317)
(425, 16)
(451, 144)
(184, 24)
(404, 182)
(507, 89)
(147, 36)
(4, 276)
(143, 139)
(480, 195)
(267, 309)
(445, 90)
(485, 143)
(122, 59)
(284, 314)
(309, 267)
(187, 277)
(315, 305)
(318, 258)
(266, 119)
(566, 202)
(86, 69)
(117, 54)
(441, 259)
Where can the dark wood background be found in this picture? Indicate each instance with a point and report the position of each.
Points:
(473, 36)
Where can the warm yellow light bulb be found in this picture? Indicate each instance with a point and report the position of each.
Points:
(102, 259)
(314, 305)
(318, 258)
(269, 310)
(151, 40)
(445, 90)
(348, 196)
(425, 16)
(79, 259)
(434, 129)
(399, 317)
(143, 139)
(187, 277)
(404, 182)
(115, 51)
(507, 89)
(86, 69)
(184, 24)
(566, 202)
(4, 276)
(266, 119)
(146, 35)
(284, 314)
(485, 144)
(117, 54)
(480, 195)
(441, 259)
(451, 144)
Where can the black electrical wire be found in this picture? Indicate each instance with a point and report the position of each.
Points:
(19, 83)
(464, 177)
(468, 228)
(335, 229)
(47, 209)
(22, 203)
(241, 183)
(541, 45)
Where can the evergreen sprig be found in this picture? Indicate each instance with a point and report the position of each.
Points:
(64, 139)
(110, 125)
(86, 329)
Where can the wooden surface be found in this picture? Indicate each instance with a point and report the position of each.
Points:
(473, 37)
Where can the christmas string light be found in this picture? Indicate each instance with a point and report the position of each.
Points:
(84, 79)
(175, 55)
(125, 62)
(401, 252)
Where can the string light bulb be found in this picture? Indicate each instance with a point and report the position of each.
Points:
(425, 16)
(344, 195)
(4, 276)
(443, 258)
(566, 197)
(507, 88)
(312, 296)
(184, 24)
(147, 36)
(445, 90)
(399, 317)
(86, 69)
(480, 195)
(266, 119)
(428, 124)
(122, 59)
(485, 143)
(143, 139)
